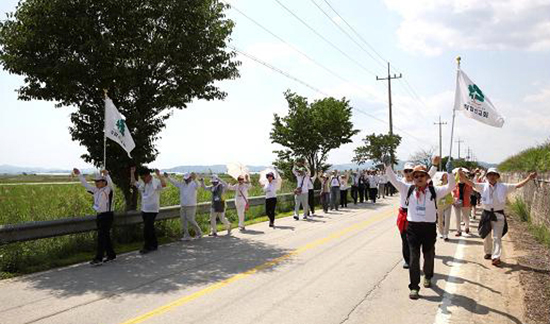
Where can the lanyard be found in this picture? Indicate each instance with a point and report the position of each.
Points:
(418, 201)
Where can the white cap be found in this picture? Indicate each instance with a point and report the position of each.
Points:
(215, 178)
(408, 166)
(99, 177)
(186, 176)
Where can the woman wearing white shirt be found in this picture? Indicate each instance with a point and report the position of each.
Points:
(241, 197)
(188, 202)
(493, 225)
(270, 190)
(344, 179)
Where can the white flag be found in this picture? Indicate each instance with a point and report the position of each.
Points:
(115, 127)
(474, 103)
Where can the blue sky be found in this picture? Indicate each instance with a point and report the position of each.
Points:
(504, 45)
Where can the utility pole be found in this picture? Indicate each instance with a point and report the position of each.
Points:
(459, 141)
(469, 156)
(440, 140)
(389, 78)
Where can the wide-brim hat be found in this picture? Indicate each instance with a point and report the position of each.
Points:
(421, 169)
(493, 171)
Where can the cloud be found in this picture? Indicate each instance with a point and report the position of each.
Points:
(431, 27)
(543, 96)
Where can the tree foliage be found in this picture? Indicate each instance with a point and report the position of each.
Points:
(311, 130)
(376, 147)
(152, 56)
(423, 156)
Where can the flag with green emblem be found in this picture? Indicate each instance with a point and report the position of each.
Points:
(116, 128)
(474, 103)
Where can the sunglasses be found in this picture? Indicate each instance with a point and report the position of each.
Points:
(418, 176)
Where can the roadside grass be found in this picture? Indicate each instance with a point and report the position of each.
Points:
(535, 158)
(521, 210)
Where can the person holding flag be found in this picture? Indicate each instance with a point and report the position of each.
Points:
(103, 205)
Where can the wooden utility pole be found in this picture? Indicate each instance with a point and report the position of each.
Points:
(459, 141)
(389, 78)
(440, 123)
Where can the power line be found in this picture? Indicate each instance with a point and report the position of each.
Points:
(324, 38)
(290, 76)
(345, 32)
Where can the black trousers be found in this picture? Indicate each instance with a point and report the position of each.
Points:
(270, 204)
(405, 248)
(372, 194)
(361, 193)
(421, 235)
(344, 198)
(311, 200)
(104, 222)
(354, 194)
(149, 235)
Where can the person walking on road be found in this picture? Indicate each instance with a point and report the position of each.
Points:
(334, 190)
(461, 205)
(270, 189)
(493, 225)
(241, 197)
(373, 186)
(188, 201)
(311, 194)
(325, 192)
(103, 205)
(362, 186)
(354, 186)
(302, 190)
(150, 189)
(443, 207)
(344, 179)
(217, 210)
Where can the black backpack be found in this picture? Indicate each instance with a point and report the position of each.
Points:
(430, 188)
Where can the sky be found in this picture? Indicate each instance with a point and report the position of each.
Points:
(504, 46)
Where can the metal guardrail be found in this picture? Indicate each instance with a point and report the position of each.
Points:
(65, 226)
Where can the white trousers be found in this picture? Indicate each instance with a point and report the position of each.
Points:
(444, 221)
(301, 199)
(493, 242)
(462, 214)
(187, 215)
(214, 215)
(240, 205)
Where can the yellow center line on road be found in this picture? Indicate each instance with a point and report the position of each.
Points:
(183, 300)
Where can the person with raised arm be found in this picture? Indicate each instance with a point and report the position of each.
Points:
(150, 189)
(355, 186)
(493, 225)
(421, 202)
(241, 197)
(344, 186)
(217, 210)
(103, 205)
(188, 201)
(302, 189)
(401, 186)
(334, 190)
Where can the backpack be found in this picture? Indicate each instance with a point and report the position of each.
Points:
(432, 192)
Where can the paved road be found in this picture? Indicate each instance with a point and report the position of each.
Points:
(344, 267)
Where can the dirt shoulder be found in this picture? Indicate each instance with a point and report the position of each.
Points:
(533, 266)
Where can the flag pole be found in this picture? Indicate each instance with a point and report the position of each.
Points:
(458, 59)
(105, 132)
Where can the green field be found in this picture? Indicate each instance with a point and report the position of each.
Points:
(532, 159)
(25, 203)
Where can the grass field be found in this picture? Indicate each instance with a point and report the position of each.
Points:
(25, 203)
(533, 159)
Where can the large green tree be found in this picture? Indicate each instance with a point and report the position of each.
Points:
(376, 148)
(151, 55)
(311, 130)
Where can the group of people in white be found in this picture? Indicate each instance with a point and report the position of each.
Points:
(427, 200)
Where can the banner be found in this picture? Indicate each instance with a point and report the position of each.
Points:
(474, 103)
(115, 127)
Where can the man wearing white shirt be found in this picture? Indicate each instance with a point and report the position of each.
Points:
(373, 186)
(382, 181)
(301, 191)
(493, 225)
(355, 186)
(103, 205)
(334, 190)
(188, 202)
(150, 189)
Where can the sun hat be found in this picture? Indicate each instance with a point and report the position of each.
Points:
(421, 169)
(99, 177)
(408, 166)
(493, 170)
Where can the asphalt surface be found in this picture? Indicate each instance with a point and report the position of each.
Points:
(341, 267)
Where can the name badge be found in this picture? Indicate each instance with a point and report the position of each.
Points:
(421, 211)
